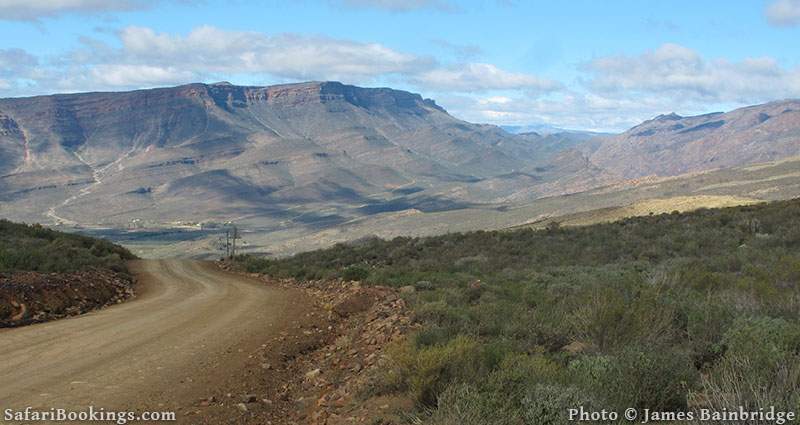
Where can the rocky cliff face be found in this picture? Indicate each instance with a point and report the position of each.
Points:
(322, 153)
(671, 145)
(215, 151)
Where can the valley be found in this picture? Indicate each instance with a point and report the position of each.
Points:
(303, 166)
(399, 212)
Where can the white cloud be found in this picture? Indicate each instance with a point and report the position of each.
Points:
(146, 58)
(16, 65)
(567, 109)
(473, 77)
(685, 76)
(494, 100)
(138, 75)
(209, 49)
(615, 92)
(30, 10)
(784, 12)
(15, 60)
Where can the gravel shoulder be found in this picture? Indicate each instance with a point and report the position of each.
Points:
(191, 328)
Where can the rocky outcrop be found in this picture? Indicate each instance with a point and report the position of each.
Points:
(291, 149)
(32, 297)
(326, 363)
(670, 144)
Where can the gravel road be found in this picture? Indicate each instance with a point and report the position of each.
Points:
(190, 330)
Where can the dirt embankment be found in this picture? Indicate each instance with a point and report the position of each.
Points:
(31, 297)
(323, 365)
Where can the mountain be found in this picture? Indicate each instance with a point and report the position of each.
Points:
(300, 165)
(313, 153)
(670, 145)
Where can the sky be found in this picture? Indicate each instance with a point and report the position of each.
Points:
(590, 65)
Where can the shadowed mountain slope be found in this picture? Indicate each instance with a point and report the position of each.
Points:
(218, 152)
(670, 145)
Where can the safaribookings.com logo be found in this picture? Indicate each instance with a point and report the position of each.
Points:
(89, 415)
(646, 416)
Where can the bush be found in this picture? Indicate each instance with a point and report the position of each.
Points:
(764, 341)
(36, 248)
(624, 314)
(465, 404)
(739, 381)
(549, 404)
(355, 273)
(657, 378)
(426, 372)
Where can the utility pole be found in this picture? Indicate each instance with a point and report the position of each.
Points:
(235, 236)
(227, 243)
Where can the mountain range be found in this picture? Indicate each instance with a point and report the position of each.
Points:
(321, 154)
(671, 145)
(224, 151)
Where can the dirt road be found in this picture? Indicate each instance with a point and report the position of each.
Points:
(186, 335)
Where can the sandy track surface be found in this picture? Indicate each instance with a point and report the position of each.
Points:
(188, 332)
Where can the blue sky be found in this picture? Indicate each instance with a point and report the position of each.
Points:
(601, 65)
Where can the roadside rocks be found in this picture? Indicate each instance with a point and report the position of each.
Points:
(361, 322)
(320, 371)
(408, 289)
(31, 297)
(358, 302)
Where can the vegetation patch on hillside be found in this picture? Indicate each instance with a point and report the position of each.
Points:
(670, 312)
(45, 274)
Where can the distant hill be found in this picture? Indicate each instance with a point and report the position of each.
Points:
(313, 153)
(670, 145)
(301, 162)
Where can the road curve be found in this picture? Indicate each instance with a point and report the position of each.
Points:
(188, 330)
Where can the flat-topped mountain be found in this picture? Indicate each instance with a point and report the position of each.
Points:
(313, 156)
(319, 151)
(671, 145)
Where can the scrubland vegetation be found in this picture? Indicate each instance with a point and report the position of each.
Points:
(36, 248)
(669, 312)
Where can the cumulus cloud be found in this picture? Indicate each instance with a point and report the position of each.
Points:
(784, 12)
(568, 109)
(145, 58)
(473, 77)
(16, 66)
(14, 62)
(613, 92)
(684, 75)
(30, 10)
(209, 49)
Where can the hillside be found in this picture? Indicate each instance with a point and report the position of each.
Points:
(672, 312)
(301, 166)
(45, 274)
(670, 145)
(311, 153)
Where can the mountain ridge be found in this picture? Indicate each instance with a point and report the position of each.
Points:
(670, 144)
(274, 149)
(315, 156)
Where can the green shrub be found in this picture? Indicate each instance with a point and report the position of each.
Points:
(764, 341)
(624, 314)
(657, 378)
(549, 404)
(427, 371)
(465, 404)
(355, 273)
(36, 248)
